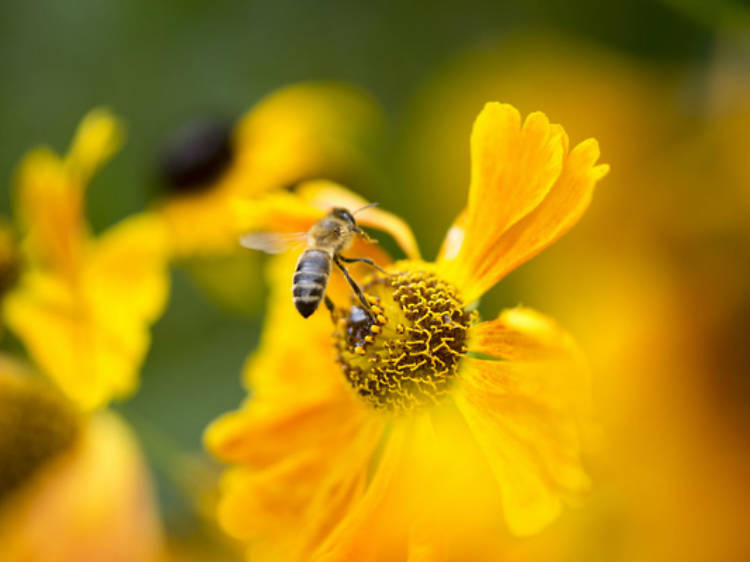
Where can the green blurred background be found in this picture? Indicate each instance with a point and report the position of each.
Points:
(159, 63)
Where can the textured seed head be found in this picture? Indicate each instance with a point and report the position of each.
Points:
(405, 353)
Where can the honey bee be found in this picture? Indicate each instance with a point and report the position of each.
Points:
(326, 240)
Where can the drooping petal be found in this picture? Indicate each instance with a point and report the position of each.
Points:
(513, 168)
(527, 409)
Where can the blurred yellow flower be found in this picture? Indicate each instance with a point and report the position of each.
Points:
(72, 489)
(441, 427)
(654, 284)
(299, 132)
(84, 303)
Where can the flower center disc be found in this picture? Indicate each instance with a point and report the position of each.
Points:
(408, 354)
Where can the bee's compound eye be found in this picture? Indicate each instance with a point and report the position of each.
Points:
(196, 154)
(344, 214)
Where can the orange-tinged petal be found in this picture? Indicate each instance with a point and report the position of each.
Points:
(513, 169)
(527, 411)
(372, 530)
(560, 210)
(302, 443)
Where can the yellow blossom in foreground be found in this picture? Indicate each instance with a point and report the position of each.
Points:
(72, 489)
(415, 434)
(83, 304)
(299, 132)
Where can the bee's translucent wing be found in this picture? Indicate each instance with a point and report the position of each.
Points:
(272, 242)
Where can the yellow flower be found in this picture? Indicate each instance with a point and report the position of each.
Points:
(299, 132)
(72, 488)
(84, 303)
(413, 435)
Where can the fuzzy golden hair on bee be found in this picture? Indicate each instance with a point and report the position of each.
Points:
(325, 242)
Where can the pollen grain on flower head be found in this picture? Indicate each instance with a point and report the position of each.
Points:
(406, 353)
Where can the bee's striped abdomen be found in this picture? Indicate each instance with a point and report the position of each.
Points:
(310, 280)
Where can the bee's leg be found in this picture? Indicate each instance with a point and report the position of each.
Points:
(329, 305)
(368, 261)
(364, 235)
(354, 286)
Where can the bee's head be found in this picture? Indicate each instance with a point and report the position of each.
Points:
(344, 215)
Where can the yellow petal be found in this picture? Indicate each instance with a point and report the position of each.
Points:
(203, 223)
(277, 212)
(91, 334)
(372, 530)
(560, 210)
(306, 131)
(513, 168)
(301, 445)
(126, 270)
(527, 411)
(50, 210)
(91, 358)
(100, 134)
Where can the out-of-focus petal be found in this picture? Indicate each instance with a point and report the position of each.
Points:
(99, 136)
(91, 360)
(527, 409)
(305, 131)
(49, 207)
(91, 335)
(513, 169)
(127, 269)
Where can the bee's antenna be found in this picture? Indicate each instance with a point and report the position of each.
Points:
(365, 207)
